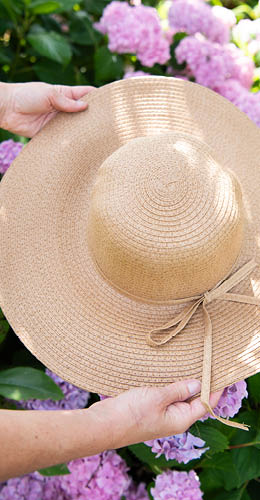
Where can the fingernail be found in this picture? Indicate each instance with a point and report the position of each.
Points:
(194, 386)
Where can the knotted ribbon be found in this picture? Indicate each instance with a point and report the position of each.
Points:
(219, 292)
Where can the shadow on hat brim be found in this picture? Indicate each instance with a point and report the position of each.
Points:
(51, 292)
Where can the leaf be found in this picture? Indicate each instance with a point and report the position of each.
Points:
(55, 470)
(96, 6)
(4, 327)
(213, 438)
(253, 385)
(176, 40)
(66, 5)
(240, 494)
(82, 31)
(108, 66)
(51, 72)
(24, 382)
(51, 45)
(145, 455)
(247, 463)
(43, 7)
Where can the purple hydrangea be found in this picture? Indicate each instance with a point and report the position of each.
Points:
(132, 74)
(213, 64)
(136, 30)
(230, 401)
(135, 492)
(8, 151)
(177, 485)
(100, 477)
(181, 447)
(196, 16)
(73, 397)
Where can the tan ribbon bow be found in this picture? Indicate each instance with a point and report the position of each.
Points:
(219, 292)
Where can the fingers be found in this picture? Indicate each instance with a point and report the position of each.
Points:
(179, 391)
(198, 410)
(69, 103)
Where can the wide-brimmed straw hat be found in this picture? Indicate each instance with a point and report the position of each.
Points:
(129, 239)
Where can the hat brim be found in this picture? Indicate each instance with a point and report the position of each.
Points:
(51, 292)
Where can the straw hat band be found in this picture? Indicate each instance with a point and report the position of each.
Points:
(217, 293)
(166, 220)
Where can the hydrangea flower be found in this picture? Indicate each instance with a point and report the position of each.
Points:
(135, 492)
(212, 64)
(101, 477)
(136, 30)
(132, 74)
(196, 16)
(181, 447)
(8, 151)
(230, 401)
(73, 397)
(177, 485)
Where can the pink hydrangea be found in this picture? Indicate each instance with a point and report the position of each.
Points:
(230, 401)
(73, 397)
(135, 492)
(132, 74)
(8, 151)
(196, 16)
(177, 485)
(181, 447)
(246, 101)
(100, 477)
(136, 30)
(212, 64)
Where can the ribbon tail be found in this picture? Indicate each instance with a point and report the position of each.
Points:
(206, 373)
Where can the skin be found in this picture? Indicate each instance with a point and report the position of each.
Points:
(31, 440)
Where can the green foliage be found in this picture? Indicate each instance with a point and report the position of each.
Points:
(26, 382)
(55, 470)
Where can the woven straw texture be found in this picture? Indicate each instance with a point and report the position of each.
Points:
(107, 215)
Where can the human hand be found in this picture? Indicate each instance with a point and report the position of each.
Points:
(146, 413)
(26, 107)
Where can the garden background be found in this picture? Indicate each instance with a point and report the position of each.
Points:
(216, 44)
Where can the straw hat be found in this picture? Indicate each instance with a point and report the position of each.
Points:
(121, 221)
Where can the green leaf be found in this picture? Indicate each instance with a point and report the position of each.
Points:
(66, 5)
(253, 385)
(51, 45)
(43, 7)
(25, 383)
(247, 463)
(176, 40)
(4, 327)
(108, 67)
(219, 472)
(213, 438)
(96, 6)
(82, 31)
(55, 470)
(240, 494)
(145, 455)
(51, 72)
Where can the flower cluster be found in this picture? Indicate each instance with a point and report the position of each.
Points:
(135, 30)
(177, 485)
(181, 447)
(196, 16)
(246, 34)
(100, 477)
(8, 151)
(213, 64)
(230, 401)
(73, 397)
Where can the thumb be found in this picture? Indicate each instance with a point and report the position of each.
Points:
(60, 102)
(179, 391)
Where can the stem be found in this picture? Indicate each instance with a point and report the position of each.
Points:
(244, 445)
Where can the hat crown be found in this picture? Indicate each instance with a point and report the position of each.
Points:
(165, 219)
